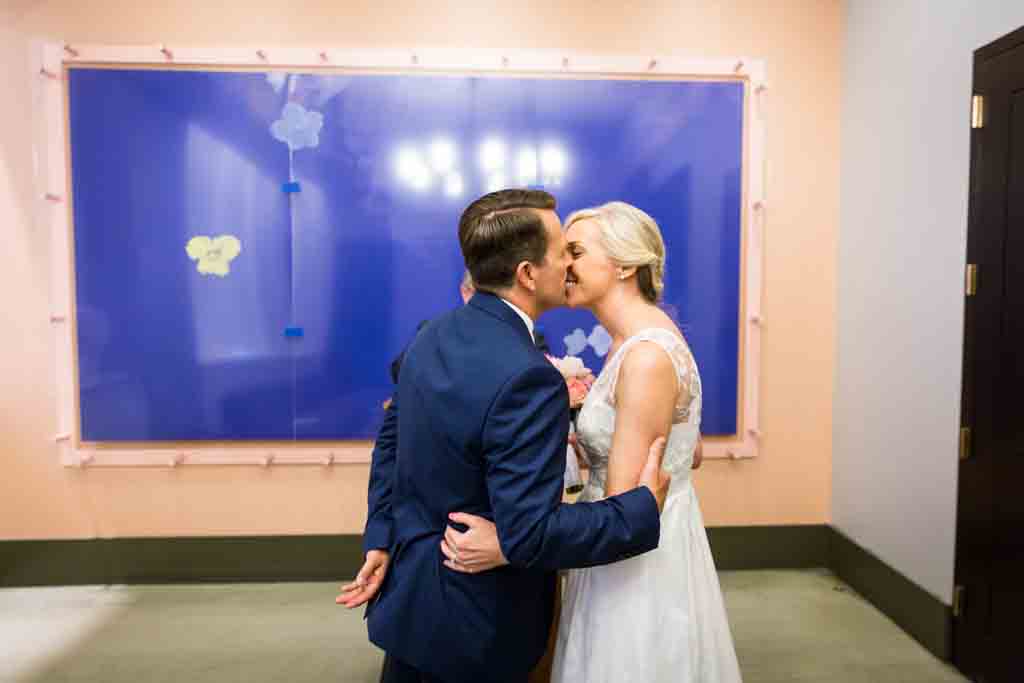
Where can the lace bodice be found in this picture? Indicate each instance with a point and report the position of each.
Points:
(596, 422)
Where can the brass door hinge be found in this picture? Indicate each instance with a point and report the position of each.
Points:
(971, 279)
(965, 443)
(958, 601)
(978, 111)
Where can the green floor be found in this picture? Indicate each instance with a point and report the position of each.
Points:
(788, 626)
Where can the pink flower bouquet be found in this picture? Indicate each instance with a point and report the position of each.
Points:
(578, 379)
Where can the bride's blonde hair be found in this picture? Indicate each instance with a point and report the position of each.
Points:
(632, 239)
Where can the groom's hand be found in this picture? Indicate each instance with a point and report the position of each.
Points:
(367, 582)
(652, 476)
(476, 550)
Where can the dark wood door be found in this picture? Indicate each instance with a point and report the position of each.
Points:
(989, 602)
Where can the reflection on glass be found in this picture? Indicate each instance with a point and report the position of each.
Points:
(492, 154)
(496, 181)
(418, 166)
(218, 316)
(411, 168)
(527, 166)
(554, 163)
(453, 185)
(442, 155)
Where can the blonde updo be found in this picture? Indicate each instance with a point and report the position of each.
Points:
(632, 239)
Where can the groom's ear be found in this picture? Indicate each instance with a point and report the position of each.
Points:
(526, 276)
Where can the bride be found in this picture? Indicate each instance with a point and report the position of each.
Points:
(658, 616)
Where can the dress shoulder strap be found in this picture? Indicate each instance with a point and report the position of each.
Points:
(673, 345)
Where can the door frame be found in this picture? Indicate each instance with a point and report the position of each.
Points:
(976, 476)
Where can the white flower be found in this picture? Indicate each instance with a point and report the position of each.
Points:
(297, 127)
(576, 342)
(571, 366)
(214, 256)
(600, 340)
(276, 79)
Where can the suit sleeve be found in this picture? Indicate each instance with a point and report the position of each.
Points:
(524, 442)
(396, 365)
(379, 520)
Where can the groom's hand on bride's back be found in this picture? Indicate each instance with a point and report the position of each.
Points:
(652, 476)
(478, 550)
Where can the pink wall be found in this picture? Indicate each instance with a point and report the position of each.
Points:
(800, 40)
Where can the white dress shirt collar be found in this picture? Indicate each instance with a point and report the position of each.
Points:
(526, 319)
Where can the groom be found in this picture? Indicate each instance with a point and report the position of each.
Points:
(479, 424)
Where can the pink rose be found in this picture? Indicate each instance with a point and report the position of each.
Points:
(578, 378)
(578, 389)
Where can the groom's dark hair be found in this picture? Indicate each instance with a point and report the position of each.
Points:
(501, 230)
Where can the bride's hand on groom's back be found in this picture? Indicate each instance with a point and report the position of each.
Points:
(475, 550)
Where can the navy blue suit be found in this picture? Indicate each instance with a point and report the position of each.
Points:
(479, 424)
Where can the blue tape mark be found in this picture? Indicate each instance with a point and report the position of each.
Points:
(293, 332)
(291, 188)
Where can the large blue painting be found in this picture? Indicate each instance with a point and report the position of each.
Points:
(252, 249)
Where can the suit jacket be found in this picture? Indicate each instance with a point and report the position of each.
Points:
(396, 365)
(479, 424)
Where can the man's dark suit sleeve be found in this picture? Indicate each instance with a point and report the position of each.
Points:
(396, 365)
(524, 442)
(379, 519)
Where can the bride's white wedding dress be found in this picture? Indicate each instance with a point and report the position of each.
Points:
(657, 617)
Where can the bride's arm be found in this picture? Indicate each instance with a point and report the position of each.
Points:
(645, 400)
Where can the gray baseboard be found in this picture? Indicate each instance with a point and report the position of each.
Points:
(338, 557)
(926, 618)
(769, 547)
(179, 560)
(313, 558)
